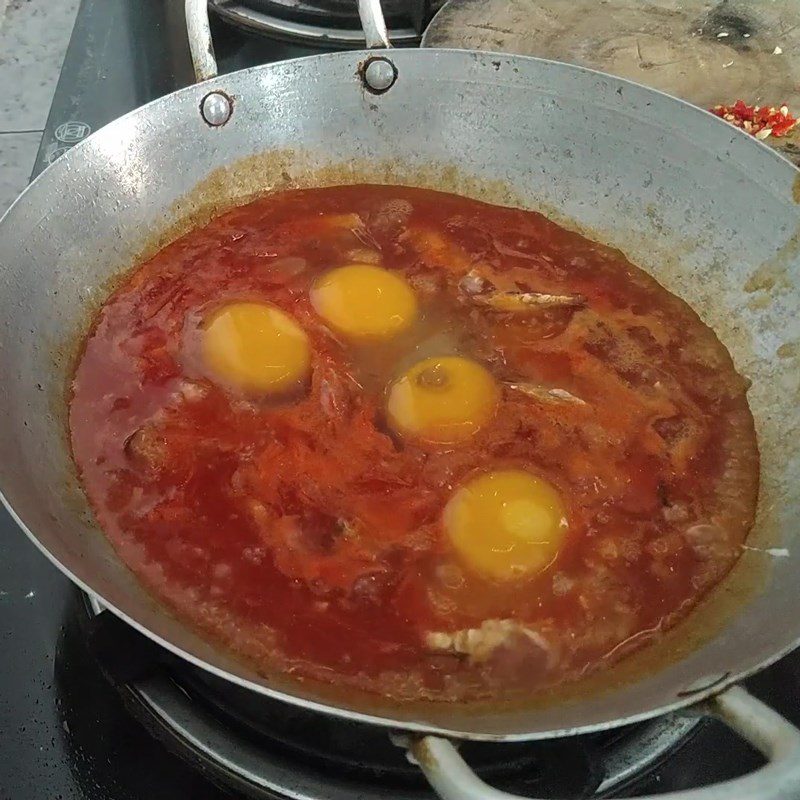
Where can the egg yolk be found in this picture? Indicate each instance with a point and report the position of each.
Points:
(256, 347)
(506, 524)
(442, 400)
(364, 301)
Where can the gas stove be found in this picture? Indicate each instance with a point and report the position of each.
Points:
(91, 710)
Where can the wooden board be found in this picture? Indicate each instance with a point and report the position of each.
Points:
(704, 52)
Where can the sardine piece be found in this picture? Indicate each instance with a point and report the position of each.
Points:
(546, 395)
(478, 644)
(515, 302)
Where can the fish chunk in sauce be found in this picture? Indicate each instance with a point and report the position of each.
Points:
(408, 442)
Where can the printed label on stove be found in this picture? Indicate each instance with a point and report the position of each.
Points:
(73, 131)
(66, 135)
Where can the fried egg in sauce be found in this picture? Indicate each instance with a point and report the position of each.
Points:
(363, 301)
(506, 524)
(442, 400)
(256, 348)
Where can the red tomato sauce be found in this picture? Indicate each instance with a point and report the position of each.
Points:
(302, 534)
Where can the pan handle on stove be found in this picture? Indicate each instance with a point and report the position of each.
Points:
(775, 737)
(201, 45)
(373, 23)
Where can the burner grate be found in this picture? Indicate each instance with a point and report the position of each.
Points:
(326, 22)
(331, 12)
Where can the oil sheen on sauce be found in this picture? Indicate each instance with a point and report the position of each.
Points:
(495, 455)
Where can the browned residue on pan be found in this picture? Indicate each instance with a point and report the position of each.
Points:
(796, 188)
(242, 181)
(772, 276)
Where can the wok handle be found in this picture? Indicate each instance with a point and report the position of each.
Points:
(373, 23)
(198, 29)
(775, 737)
(201, 45)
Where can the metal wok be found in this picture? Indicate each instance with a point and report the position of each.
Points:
(705, 208)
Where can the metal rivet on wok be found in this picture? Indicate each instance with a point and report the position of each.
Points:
(379, 75)
(216, 108)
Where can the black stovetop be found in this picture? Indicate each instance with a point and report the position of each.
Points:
(67, 732)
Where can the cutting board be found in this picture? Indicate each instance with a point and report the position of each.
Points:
(708, 53)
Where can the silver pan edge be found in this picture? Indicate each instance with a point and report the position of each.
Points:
(706, 209)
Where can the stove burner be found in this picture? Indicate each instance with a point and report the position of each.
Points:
(326, 22)
(267, 749)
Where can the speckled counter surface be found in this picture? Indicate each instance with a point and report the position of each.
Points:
(33, 39)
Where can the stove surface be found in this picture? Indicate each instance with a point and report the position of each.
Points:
(68, 733)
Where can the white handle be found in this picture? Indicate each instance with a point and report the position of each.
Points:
(201, 46)
(775, 737)
(373, 23)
